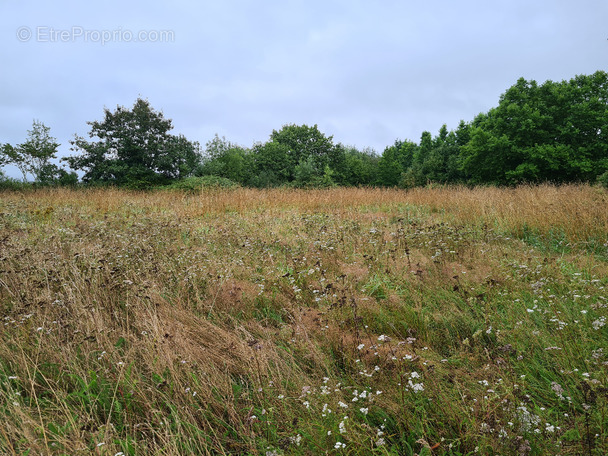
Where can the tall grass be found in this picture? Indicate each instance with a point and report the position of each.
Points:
(347, 321)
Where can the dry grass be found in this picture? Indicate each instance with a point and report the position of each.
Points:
(544, 208)
(229, 322)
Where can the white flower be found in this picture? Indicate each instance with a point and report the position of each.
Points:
(297, 439)
(597, 324)
(414, 375)
(342, 425)
(416, 387)
(360, 346)
(364, 410)
(339, 445)
(383, 338)
(342, 404)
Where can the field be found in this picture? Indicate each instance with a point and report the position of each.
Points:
(443, 321)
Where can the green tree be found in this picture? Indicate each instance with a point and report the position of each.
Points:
(35, 154)
(389, 166)
(272, 164)
(52, 175)
(225, 159)
(133, 147)
(360, 167)
(301, 142)
(555, 131)
(12, 155)
(180, 158)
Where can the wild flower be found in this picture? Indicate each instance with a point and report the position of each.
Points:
(416, 387)
(297, 440)
(342, 425)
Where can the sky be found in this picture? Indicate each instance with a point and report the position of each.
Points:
(366, 73)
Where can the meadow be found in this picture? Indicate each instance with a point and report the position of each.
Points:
(433, 321)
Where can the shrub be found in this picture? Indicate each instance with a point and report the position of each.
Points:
(196, 184)
(602, 179)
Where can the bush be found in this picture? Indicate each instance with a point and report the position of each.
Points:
(602, 179)
(197, 184)
(8, 183)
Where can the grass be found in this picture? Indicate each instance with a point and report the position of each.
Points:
(446, 321)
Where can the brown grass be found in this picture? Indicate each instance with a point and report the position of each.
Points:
(243, 296)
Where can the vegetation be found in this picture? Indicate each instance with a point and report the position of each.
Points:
(553, 132)
(444, 321)
(134, 149)
(33, 157)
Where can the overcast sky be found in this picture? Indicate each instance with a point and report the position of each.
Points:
(365, 72)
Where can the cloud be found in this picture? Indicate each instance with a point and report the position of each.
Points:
(365, 73)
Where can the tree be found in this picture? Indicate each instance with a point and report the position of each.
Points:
(134, 148)
(179, 158)
(301, 143)
(272, 164)
(52, 175)
(225, 159)
(555, 131)
(360, 167)
(389, 167)
(34, 155)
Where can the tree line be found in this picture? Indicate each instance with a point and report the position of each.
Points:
(551, 132)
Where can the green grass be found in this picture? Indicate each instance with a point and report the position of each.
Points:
(303, 322)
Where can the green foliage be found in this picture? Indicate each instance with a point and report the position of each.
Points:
(602, 179)
(360, 167)
(33, 156)
(197, 184)
(303, 150)
(133, 148)
(224, 159)
(550, 132)
(389, 166)
(52, 175)
(6, 183)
